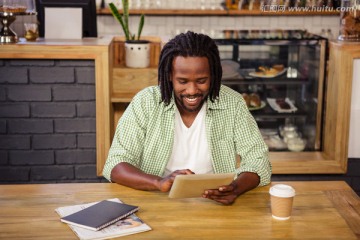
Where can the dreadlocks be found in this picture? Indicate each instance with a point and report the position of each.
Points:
(189, 44)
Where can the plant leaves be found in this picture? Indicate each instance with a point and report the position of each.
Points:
(125, 4)
(141, 25)
(117, 15)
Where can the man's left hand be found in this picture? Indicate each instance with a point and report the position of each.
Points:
(227, 194)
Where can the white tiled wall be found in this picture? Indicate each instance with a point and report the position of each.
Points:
(354, 133)
(168, 26)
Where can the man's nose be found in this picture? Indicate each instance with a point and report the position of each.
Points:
(192, 89)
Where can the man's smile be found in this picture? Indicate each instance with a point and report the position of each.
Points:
(192, 99)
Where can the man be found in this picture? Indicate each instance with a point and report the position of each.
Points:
(188, 124)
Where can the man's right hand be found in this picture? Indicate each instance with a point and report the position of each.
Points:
(166, 183)
(131, 176)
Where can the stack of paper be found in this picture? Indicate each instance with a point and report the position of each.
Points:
(129, 225)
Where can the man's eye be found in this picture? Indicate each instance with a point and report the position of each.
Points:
(202, 81)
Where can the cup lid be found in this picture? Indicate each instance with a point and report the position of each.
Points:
(282, 190)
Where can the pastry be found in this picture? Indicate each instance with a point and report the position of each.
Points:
(246, 98)
(266, 71)
(13, 9)
(278, 67)
(254, 100)
(282, 103)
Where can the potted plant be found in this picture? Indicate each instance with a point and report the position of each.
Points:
(137, 51)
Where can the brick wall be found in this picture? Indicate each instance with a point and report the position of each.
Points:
(47, 125)
(47, 121)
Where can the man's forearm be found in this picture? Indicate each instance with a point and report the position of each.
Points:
(130, 176)
(245, 182)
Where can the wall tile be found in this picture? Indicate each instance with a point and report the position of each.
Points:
(29, 93)
(25, 158)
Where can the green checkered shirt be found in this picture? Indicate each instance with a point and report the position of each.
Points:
(144, 135)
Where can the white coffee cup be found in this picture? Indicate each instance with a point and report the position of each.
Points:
(281, 197)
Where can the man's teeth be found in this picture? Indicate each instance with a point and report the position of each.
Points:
(191, 99)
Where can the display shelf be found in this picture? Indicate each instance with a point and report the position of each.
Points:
(269, 113)
(298, 51)
(260, 81)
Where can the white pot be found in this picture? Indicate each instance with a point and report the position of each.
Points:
(137, 54)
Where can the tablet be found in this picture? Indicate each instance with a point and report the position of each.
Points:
(193, 185)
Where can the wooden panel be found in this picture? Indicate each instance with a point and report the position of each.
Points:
(338, 100)
(119, 109)
(129, 81)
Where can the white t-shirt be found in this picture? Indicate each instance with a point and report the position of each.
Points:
(190, 149)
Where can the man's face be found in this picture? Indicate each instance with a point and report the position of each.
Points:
(191, 82)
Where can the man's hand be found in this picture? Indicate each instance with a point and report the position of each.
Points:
(130, 176)
(166, 183)
(227, 194)
(224, 194)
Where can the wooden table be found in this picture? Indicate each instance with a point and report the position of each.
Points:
(322, 210)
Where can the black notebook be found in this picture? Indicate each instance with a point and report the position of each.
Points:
(100, 215)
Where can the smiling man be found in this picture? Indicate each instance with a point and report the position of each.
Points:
(189, 124)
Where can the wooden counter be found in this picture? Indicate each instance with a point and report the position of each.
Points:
(97, 49)
(322, 210)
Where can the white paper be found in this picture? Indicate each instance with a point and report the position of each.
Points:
(127, 226)
(276, 107)
(63, 23)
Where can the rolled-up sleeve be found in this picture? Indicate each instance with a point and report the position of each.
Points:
(251, 147)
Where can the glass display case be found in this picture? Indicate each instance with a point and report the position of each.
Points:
(281, 77)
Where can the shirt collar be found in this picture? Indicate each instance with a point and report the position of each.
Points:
(171, 105)
(219, 102)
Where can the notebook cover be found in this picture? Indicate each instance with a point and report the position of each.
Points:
(192, 186)
(100, 215)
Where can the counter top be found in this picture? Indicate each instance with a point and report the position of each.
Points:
(322, 210)
(70, 42)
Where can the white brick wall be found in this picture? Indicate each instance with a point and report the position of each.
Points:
(168, 26)
(354, 133)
